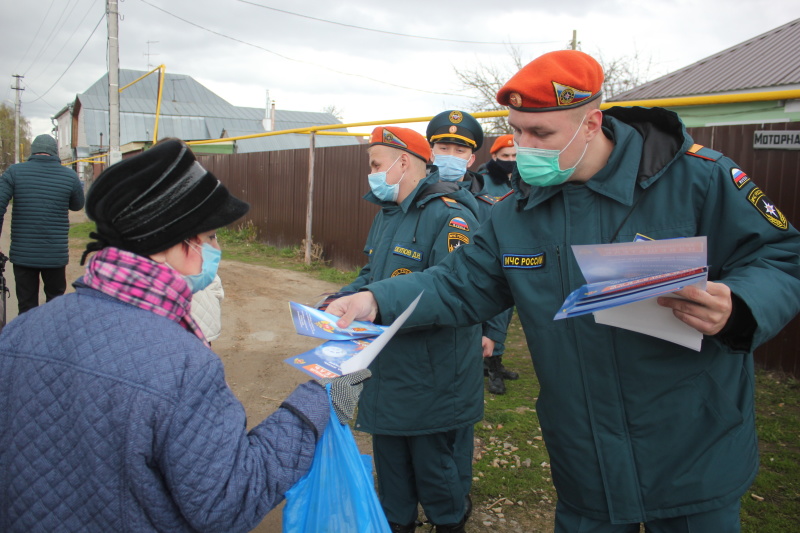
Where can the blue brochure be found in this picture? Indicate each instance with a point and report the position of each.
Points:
(606, 294)
(315, 323)
(325, 361)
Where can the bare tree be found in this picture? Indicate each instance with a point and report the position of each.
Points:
(7, 136)
(334, 110)
(623, 73)
(483, 82)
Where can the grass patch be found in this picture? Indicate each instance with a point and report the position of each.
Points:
(241, 244)
(772, 504)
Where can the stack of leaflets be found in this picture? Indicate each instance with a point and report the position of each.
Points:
(624, 280)
(347, 349)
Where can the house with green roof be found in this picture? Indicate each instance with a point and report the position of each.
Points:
(766, 63)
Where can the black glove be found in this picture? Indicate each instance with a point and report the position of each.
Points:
(345, 391)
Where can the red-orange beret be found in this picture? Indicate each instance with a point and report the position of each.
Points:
(402, 139)
(557, 80)
(504, 141)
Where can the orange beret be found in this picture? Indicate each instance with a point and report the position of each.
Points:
(557, 80)
(402, 139)
(504, 141)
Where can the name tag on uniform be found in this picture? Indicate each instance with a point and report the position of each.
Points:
(523, 261)
(416, 255)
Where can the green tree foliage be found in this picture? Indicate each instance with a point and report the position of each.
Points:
(7, 137)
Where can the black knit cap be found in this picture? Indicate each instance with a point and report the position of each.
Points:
(150, 202)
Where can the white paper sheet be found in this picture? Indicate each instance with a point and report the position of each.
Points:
(363, 358)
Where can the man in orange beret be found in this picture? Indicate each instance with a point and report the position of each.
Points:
(639, 429)
(497, 171)
(426, 390)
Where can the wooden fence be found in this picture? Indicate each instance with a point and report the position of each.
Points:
(276, 185)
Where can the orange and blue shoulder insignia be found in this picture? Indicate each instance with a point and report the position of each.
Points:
(698, 150)
(449, 202)
(491, 200)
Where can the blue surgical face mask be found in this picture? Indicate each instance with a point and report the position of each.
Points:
(211, 257)
(451, 167)
(539, 167)
(382, 190)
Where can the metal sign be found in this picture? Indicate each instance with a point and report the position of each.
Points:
(776, 140)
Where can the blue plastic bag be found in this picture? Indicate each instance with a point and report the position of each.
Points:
(337, 495)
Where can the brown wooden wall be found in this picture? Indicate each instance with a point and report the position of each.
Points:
(275, 184)
(777, 173)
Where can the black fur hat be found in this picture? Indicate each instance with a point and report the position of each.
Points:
(156, 199)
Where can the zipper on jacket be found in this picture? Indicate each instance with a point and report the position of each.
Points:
(560, 272)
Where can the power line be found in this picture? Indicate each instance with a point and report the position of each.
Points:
(73, 59)
(21, 59)
(387, 32)
(48, 40)
(293, 59)
(63, 47)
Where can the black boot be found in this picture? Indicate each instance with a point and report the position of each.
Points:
(496, 385)
(506, 373)
(399, 528)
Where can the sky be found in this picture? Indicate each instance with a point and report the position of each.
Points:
(372, 61)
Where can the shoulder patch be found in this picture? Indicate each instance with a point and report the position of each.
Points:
(456, 240)
(400, 272)
(458, 223)
(739, 177)
(698, 150)
(767, 209)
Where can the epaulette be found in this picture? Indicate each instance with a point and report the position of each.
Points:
(449, 202)
(698, 150)
(506, 195)
(491, 200)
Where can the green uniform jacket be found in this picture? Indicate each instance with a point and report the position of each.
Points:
(637, 428)
(496, 327)
(44, 192)
(430, 380)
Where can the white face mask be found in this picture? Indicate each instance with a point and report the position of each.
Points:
(382, 190)
(540, 167)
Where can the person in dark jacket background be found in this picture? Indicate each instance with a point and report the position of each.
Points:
(497, 171)
(119, 418)
(44, 192)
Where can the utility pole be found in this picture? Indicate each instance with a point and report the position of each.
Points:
(17, 110)
(574, 39)
(112, 15)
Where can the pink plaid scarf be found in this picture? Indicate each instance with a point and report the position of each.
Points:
(142, 282)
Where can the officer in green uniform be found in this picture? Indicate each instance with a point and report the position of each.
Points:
(639, 430)
(497, 171)
(455, 136)
(425, 394)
